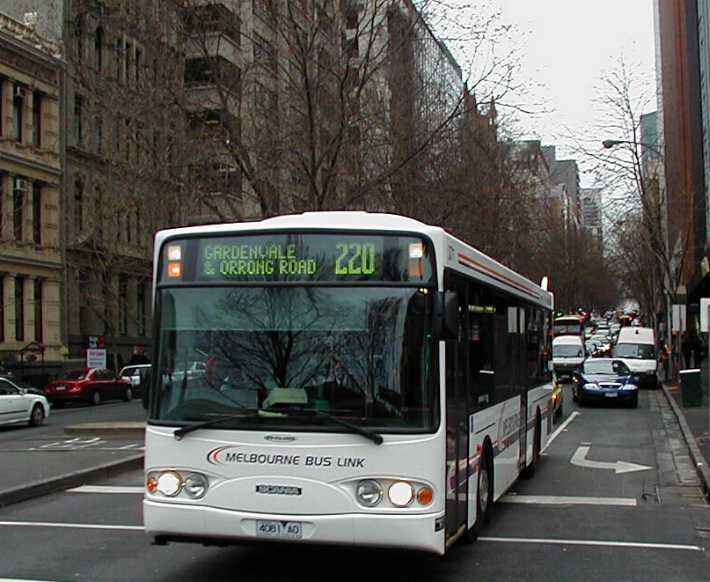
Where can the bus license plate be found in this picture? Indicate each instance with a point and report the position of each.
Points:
(611, 394)
(289, 530)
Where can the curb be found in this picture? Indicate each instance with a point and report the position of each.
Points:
(68, 480)
(701, 464)
(109, 430)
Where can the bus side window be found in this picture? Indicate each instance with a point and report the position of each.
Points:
(481, 326)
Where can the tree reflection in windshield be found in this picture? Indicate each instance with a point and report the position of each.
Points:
(362, 353)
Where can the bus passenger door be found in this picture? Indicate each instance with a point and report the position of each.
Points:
(456, 417)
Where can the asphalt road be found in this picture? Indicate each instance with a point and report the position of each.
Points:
(649, 524)
(32, 454)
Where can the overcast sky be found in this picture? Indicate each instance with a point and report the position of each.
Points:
(566, 47)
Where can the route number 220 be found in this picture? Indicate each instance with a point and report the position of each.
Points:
(355, 259)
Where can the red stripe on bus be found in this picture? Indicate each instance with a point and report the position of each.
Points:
(495, 274)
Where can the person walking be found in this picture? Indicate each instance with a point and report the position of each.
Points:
(686, 349)
(696, 344)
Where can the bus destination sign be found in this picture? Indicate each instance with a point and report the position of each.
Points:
(307, 257)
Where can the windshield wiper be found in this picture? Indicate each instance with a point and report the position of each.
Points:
(182, 431)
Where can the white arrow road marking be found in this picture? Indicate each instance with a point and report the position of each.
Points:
(579, 459)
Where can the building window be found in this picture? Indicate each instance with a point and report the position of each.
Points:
(79, 38)
(138, 65)
(2, 307)
(99, 49)
(123, 305)
(38, 311)
(18, 102)
(98, 215)
(2, 103)
(263, 49)
(18, 202)
(140, 307)
(19, 309)
(37, 213)
(78, 121)
(119, 52)
(79, 206)
(37, 119)
(99, 133)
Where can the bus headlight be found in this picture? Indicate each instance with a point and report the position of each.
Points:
(169, 483)
(369, 493)
(401, 494)
(195, 485)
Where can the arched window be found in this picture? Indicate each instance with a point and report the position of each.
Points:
(79, 38)
(99, 48)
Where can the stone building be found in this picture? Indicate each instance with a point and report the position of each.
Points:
(31, 262)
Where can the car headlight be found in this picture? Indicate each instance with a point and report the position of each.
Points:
(400, 494)
(369, 492)
(629, 387)
(169, 483)
(591, 386)
(195, 485)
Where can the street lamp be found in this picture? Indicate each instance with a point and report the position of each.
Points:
(610, 143)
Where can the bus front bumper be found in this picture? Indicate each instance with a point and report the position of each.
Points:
(172, 522)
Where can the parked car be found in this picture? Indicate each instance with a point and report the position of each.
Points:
(92, 385)
(135, 375)
(19, 404)
(605, 379)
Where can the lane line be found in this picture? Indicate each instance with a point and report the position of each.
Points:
(568, 500)
(72, 525)
(610, 544)
(560, 428)
(106, 489)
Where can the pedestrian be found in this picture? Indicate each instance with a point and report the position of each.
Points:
(696, 344)
(686, 349)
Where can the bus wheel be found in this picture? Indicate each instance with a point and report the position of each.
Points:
(484, 498)
(529, 471)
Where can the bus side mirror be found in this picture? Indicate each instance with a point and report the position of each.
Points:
(446, 315)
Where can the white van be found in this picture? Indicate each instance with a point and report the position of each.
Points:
(568, 354)
(636, 346)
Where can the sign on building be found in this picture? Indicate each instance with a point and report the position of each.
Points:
(95, 358)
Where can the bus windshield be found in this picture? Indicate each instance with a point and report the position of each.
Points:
(360, 353)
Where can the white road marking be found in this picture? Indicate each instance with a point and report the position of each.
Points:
(568, 500)
(51, 445)
(21, 580)
(610, 544)
(579, 459)
(131, 446)
(105, 489)
(72, 525)
(560, 428)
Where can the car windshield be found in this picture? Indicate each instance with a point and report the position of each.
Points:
(76, 374)
(635, 351)
(605, 367)
(567, 351)
(362, 354)
(567, 329)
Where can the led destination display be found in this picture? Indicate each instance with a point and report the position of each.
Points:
(306, 257)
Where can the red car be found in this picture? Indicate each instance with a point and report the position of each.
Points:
(88, 385)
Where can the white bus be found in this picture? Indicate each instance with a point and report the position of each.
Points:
(367, 379)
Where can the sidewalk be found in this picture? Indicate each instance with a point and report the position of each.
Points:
(697, 420)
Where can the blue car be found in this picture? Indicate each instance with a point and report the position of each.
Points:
(605, 379)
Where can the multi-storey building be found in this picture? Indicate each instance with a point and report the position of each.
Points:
(591, 199)
(31, 265)
(677, 37)
(122, 149)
